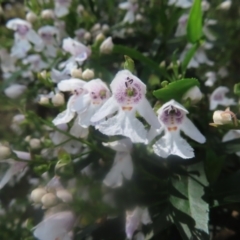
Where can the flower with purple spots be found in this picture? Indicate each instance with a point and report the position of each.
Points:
(127, 99)
(173, 119)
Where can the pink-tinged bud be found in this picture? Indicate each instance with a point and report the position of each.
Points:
(37, 194)
(49, 200)
(107, 46)
(58, 99)
(15, 90)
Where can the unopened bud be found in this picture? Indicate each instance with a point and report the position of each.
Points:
(139, 17)
(64, 195)
(222, 117)
(194, 94)
(49, 200)
(100, 37)
(5, 152)
(31, 17)
(106, 46)
(105, 28)
(76, 73)
(162, 64)
(27, 138)
(43, 74)
(80, 8)
(35, 143)
(58, 99)
(88, 74)
(96, 27)
(47, 14)
(87, 36)
(43, 100)
(37, 194)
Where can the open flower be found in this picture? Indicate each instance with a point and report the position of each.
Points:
(23, 35)
(55, 226)
(61, 7)
(122, 166)
(127, 99)
(218, 98)
(131, 6)
(211, 78)
(181, 3)
(35, 62)
(17, 168)
(231, 135)
(86, 105)
(194, 94)
(172, 116)
(135, 219)
(75, 86)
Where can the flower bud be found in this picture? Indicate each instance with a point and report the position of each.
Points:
(205, 5)
(49, 200)
(27, 138)
(5, 152)
(58, 99)
(64, 195)
(80, 8)
(35, 143)
(31, 17)
(106, 46)
(225, 5)
(96, 27)
(162, 64)
(37, 194)
(15, 90)
(43, 100)
(139, 17)
(76, 73)
(100, 37)
(222, 117)
(194, 94)
(88, 74)
(105, 28)
(43, 74)
(47, 14)
(87, 36)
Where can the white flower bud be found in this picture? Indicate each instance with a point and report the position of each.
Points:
(225, 5)
(76, 73)
(87, 36)
(15, 90)
(100, 37)
(47, 14)
(105, 28)
(162, 64)
(5, 152)
(222, 117)
(35, 143)
(43, 74)
(58, 99)
(194, 94)
(37, 194)
(43, 100)
(106, 46)
(139, 17)
(31, 17)
(96, 27)
(205, 5)
(80, 8)
(88, 74)
(49, 200)
(64, 195)
(27, 138)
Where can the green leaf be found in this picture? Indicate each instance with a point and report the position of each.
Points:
(190, 210)
(129, 64)
(194, 25)
(175, 90)
(236, 89)
(189, 55)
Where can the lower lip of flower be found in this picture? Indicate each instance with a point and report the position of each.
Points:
(125, 108)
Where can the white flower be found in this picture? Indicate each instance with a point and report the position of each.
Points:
(131, 6)
(15, 90)
(225, 5)
(17, 168)
(194, 94)
(172, 116)
(79, 34)
(23, 35)
(74, 85)
(223, 72)
(127, 99)
(211, 79)
(16, 123)
(36, 62)
(107, 46)
(231, 135)
(207, 31)
(135, 219)
(200, 56)
(55, 226)
(122, 166)
(182, 24)
(50, 40)
(95, 95)
(57, 76)
(181, 3)
(78, 51)
(61, 7)
(218, 98)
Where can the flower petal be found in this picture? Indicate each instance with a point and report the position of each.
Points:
(122, 145)
(70, 84)
(7, 177)
(190, 130)
(33, 37)
(85, 117)
(81, 103)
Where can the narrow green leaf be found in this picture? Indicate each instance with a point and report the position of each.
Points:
(189, 55)
(129, 64)
(194, 25)
(175, 90)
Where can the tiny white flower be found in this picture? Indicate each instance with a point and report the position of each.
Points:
(131, 6)
(107, 46)
(225, 5)
(15, 90)
(96, 93)
(135, 219)
(182, 24)
(218, 98)
(62, 7)
(127, 99)
(181, 3)
(55, 226)
(79, 34)
(211, 79)
(122, 166)
(36, 62)
(194, 94)
(57, 76)
(173, 119)
(231, 135)
(23, 35)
